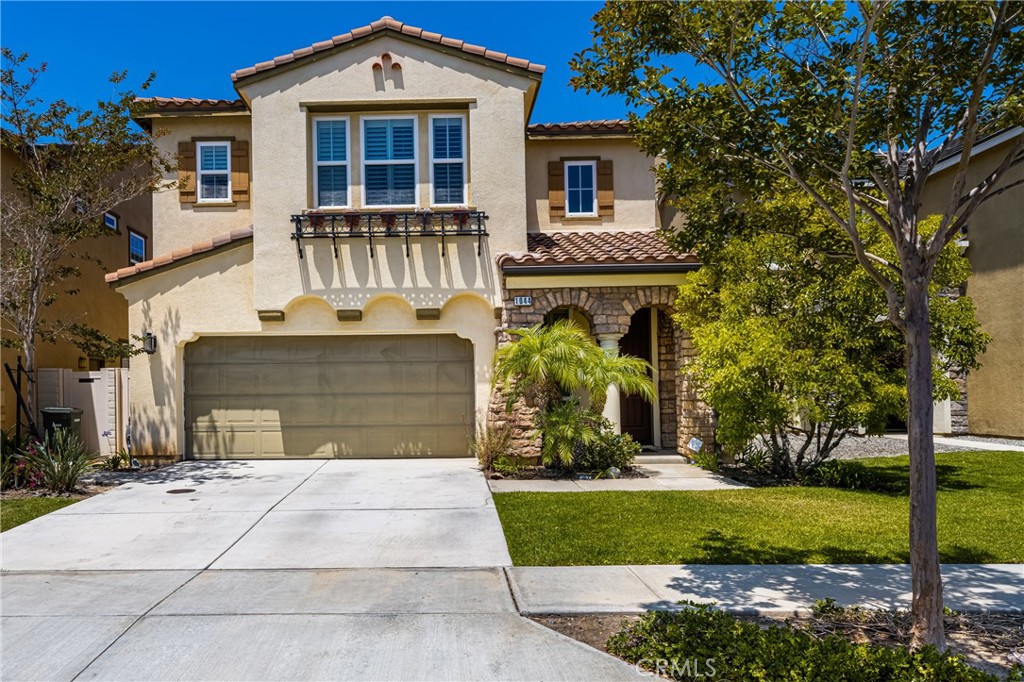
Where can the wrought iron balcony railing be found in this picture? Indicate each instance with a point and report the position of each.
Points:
(389, 225)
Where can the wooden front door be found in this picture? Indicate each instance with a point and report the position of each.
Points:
(637, 416)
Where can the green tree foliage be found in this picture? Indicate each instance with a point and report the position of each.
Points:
(794, 351)
(76, 165)
(854, 103)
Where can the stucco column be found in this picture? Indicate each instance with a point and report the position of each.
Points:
(612, 409)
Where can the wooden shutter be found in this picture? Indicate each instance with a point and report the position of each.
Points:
(187, 172)
(240, 170)
(556, 189)
(605, 189)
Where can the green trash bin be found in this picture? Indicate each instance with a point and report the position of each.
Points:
(62, 418)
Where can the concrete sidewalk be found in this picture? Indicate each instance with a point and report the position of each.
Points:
(966, 443)
(787, 589)
(664, 472)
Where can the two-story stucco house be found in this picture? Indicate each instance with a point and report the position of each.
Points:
(350, 237)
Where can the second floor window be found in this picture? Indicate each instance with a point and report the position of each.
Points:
(110, 220)
(447, 160)
(581, 188)
(136, 248)
(214, 171)
(331, 162)
(389, 161)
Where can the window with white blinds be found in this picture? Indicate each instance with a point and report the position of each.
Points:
(389, 161)
(213, 169)
(448, 160)
(331, 161)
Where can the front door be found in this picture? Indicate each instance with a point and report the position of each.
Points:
(637, 415)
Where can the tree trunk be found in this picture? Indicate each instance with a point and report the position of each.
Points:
(28, 348)
(924, 546)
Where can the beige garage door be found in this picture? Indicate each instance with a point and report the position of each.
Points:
(337, 396)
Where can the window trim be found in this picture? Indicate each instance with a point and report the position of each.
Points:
(113, 216)
(133, 233)
(200, 172)
(462, 160)
(592, 164)
(347, 163)
(415, 161)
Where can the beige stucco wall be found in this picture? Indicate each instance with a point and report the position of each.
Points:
(177, 225)
(632, 177)
(166, 305)
(282, 169)
(94, 304)
(995, 392)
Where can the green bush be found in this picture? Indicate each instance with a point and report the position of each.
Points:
(14, 473)
(607, 450)
(60, 460)
(701, 639)
(565, 428)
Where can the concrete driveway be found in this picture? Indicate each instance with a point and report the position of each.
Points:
(278, 570)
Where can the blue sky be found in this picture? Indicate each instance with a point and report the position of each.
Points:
(194, 46)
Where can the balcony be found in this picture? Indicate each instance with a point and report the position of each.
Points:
(390, 225)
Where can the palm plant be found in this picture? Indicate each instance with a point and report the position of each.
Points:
(630, 374)
(565, 427)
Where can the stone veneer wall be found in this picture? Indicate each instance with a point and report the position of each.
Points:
(683, 415)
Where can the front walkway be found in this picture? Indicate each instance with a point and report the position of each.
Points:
(278, 570)
(775, 590)
(663, 471)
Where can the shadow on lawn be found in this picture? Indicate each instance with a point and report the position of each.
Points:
(717, 547)
(894, 479)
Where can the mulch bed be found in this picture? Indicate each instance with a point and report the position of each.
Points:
(991, 642)
(540, 473)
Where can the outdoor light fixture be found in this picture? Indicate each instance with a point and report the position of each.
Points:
(149, 342)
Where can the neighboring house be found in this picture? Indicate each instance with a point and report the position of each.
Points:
(353, 234)
(94, 304)
(994, 394)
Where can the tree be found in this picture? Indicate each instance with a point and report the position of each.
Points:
(786, 324)
(550, 361)
(852, 103)
(77, 165)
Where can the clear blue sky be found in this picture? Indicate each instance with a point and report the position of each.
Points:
(194, 46)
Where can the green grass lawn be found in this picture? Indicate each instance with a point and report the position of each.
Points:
(18, 511)
(981, 504)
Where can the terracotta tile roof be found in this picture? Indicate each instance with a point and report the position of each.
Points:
(615, 126)
(181, 254)
(192, 104)
(595, 248)
(386, 24)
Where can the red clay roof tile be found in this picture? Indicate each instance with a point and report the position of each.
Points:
(178, 104)
(180, 254)
(617, 126)
(386, 24)
(596, 248)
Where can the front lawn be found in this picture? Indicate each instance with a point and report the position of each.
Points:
(16, 511)
(980, 505)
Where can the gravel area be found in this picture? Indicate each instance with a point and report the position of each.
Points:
(857, 447)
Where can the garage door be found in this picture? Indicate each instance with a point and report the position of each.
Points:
(337, 396)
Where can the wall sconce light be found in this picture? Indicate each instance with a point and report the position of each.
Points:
(81, 363)
(149, 342)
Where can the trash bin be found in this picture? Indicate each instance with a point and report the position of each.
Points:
(62, 418)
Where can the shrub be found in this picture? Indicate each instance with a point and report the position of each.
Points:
(60, 460)
(491, 442)
(703, 639)
(121, 459)
(565, 428)
(607, 450)
(14, 473)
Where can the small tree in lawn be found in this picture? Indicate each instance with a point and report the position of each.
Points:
(852, 103)
(793, 348)
(77, 164)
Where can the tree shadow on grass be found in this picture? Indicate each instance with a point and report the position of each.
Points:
(894, 479)
(716, 547)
